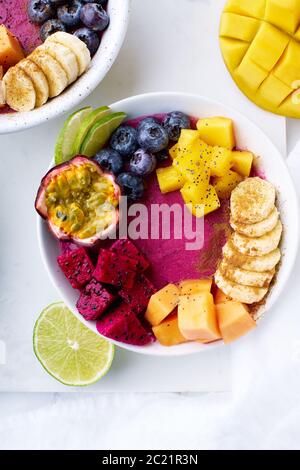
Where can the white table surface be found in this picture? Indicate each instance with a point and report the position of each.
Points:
(171, 45)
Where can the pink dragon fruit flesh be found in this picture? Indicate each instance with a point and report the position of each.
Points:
(119, 271)
(121, 324)
(94, 300)
(125, 247)
(77, 267)
(139, 295)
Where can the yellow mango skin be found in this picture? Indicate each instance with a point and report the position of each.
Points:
(217, 131)
(224, 185)
(161, 304)
(167, 332)
(242, 162)
(209, 203)
(169, 179)
(195, 286)
(197, 319)
(267, 67)
(234, 320)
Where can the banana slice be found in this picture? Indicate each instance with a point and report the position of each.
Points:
(245, 277)
(238, 292)
(258, 246)
(77, 46)
(55, 74)
(251, 263)
(38, 79)
(260, 228)
(252, 201)
(19, 91)
(65, 57)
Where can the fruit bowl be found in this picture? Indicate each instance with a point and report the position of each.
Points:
(270, 163)
(102, 61)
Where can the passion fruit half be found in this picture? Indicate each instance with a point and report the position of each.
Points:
(79, 201)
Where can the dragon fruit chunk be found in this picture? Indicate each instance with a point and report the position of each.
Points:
(77, 267)
(94, 300)
(139, 295)
(121, 324)
(119, 271)
(126, 248)
(66, 247)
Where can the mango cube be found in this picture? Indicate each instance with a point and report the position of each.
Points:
(239, 27)
(187, 137)
(193, 193)
(233, 51)
(195, 286)
(209, 203)
(162, 303)
(242, 162)
(284, 14)
(221, 297)
(167, 332)
(254, 8)
(173, 151)
(197, 318)
(234, 320)
(288, 67)
(169, 179)
(217, 131)
(10, 49)
(224, 185)
(221, 161)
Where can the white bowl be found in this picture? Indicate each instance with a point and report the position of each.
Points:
(248, 136)
(102, 61)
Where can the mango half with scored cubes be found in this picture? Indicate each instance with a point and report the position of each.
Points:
(260, 44)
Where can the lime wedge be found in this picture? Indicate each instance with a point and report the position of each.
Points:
(65, 140)
(99, 134)
(67, 349)
(86, 125)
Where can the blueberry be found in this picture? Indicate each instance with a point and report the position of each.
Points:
(89, 37)
(132, 185)
(93, 16)
(147, 120)
(58, 3)
(69, 14)
(103, 3)
(124, 140)
(142, 163)
(51, 27)
(174, 122)
(40, 11)
(162, 156)
(153, 137)
(109, 160)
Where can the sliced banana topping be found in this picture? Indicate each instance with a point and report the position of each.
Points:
(75, 45)
(238, 292)
(258, 246)
(246, 277)
(56, 76)
(19, 91)
(65, 57)
(260, 228)
(251, 263)
(38, 79)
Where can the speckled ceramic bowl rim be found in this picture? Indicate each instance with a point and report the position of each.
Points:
(112, 40)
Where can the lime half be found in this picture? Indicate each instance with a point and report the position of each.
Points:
(87, 124)
(99, 134)
(65, 140)
(68, 350)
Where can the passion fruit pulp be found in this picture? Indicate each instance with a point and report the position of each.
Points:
(79, 201)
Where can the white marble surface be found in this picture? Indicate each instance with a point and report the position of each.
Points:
(171, 45)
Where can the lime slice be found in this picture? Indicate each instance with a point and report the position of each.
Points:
(68, 350)
(100, 133)
(65, 140)
(87, 124)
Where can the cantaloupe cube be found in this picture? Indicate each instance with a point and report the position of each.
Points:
(267, 46)
(10, 50)
(221, 161)
(224, 185)
(253, 8)
(233, 51)
(195, 286)
(167, 332)
(238, 27)
(209, 203)
(284, 14)
(234, 320)
(221, 297)
(197, 318)
(193, 193)
(217, 131)
(242, 162)
(169, 179)
(250, 74)
(162, 303)
(173, 151)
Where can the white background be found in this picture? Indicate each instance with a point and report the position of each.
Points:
(171, 45)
